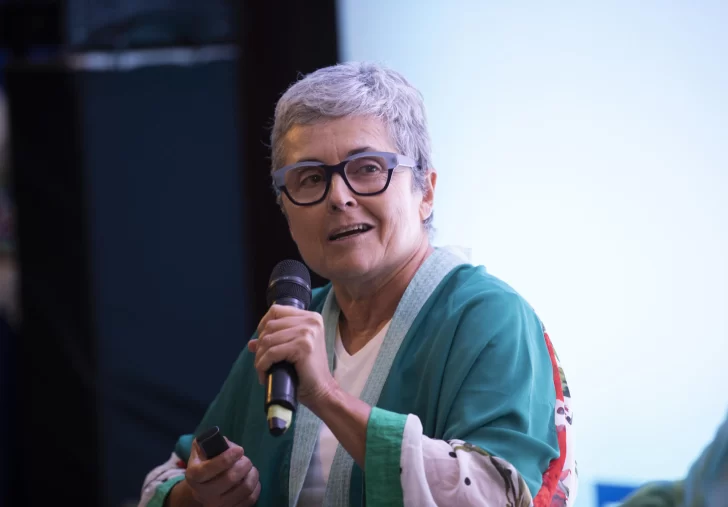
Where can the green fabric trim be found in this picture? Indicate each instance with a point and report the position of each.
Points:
(385, 432)
(307, 425)
(163, 490)
(183, 448)
(428, 277)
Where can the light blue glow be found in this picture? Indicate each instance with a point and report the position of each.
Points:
(582, 151)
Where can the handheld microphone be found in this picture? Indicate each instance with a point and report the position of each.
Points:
(289, 285)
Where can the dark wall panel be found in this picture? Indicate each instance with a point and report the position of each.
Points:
(147, 232)
(134, 273)
(281, 41)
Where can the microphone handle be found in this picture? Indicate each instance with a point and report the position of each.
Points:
(281, 398)
(281, 393)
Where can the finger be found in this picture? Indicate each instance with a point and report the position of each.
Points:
(201, 471)
(254, 496)
(268, 341)
(246, 492)
(226, 481)
(278, 312)
(281, 323)
(278, 338)
(252, 481)
(269, 315)
(194, 454)
(237, 473)
(289, 351)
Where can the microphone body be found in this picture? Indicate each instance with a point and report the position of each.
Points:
(289, 285)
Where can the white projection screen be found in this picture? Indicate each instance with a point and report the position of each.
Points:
(582, 152)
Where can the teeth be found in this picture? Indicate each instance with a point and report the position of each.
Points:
(353, 228)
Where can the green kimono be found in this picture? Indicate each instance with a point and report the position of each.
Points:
(464, 353)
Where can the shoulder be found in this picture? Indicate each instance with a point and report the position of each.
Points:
(471, 292)
(483, 316)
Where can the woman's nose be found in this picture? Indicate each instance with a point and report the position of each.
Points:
(340, 196)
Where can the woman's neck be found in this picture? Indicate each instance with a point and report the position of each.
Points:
(365, 309)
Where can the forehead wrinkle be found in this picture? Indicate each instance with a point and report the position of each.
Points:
(342, 138)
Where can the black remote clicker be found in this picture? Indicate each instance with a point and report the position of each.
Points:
(212, 442)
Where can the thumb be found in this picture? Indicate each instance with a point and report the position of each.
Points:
(195, 452)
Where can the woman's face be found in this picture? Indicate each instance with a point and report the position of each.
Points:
(394, 217)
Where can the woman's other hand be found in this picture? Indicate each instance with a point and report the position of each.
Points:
(227, 480)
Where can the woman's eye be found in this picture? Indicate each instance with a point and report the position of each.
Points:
(312, 179)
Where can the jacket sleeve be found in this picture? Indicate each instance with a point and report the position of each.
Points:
(500, 436)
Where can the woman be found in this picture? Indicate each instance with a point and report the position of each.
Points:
(423, 379)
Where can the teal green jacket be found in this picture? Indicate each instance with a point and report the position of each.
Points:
(464, 353)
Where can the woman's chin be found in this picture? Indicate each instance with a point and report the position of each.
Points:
(353, 265)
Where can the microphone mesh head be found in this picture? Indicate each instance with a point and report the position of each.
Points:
(290, 279)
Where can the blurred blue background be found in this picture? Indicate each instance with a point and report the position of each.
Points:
(581, 151)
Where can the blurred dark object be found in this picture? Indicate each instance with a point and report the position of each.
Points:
(56, 355)
(146, 226)
(130, 238)
(106, 25)
(9, 472)
(281, 41)
(7, 215)
(7, 225)
(151, 23)
(24, 24)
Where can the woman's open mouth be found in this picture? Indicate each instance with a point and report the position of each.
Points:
(350, 231)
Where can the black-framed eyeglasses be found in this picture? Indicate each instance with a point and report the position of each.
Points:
(366, 174)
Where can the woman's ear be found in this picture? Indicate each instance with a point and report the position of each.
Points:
(428, 195)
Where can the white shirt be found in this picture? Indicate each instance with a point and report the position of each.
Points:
(351, 373)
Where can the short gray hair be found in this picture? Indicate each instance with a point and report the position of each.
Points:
(358, 89)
